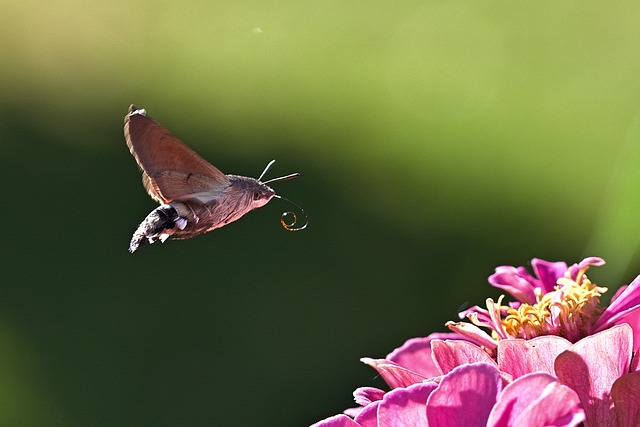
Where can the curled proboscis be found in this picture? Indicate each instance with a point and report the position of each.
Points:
(291, 225)
(289, 220)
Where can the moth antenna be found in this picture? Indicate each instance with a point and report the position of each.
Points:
(282, 178)
(292, 226)
(266, 169)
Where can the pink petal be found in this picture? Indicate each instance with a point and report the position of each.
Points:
(368, 417)
(415, 354)
(516, 397)
(592, 261)
(548, 272)
(589, 261)
(624, 302)
(365, 395)
(473, 334)
(558, 406)
(405, 407)
(591, 366)
(449, 354)
(481, 314)
(633, 320)
(534, 400)
(516, 281)
(519, 357)
(336, 421)
(619, 292)
(465, 396)
(352, 412)
(496, 318)
(394, 375)
(626, 396)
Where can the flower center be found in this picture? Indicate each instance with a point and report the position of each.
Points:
(569, 311)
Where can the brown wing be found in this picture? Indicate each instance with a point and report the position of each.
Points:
(170, 169)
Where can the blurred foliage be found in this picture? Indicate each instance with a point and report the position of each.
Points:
(436, 140)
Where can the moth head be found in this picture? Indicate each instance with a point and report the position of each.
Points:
(261, 195)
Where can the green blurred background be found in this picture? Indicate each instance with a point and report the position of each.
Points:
(436, 140)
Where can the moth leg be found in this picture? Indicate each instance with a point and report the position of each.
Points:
(161, 223)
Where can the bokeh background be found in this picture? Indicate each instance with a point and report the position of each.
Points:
(436, 140)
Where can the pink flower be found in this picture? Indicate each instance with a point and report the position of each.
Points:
(553, 357)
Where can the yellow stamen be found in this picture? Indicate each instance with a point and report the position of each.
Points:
(569, 311)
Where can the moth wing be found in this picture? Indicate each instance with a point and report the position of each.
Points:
(170, 169)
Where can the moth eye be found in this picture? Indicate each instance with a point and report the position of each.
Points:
(256, 195)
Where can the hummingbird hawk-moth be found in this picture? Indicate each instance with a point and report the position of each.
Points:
(194, 196)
